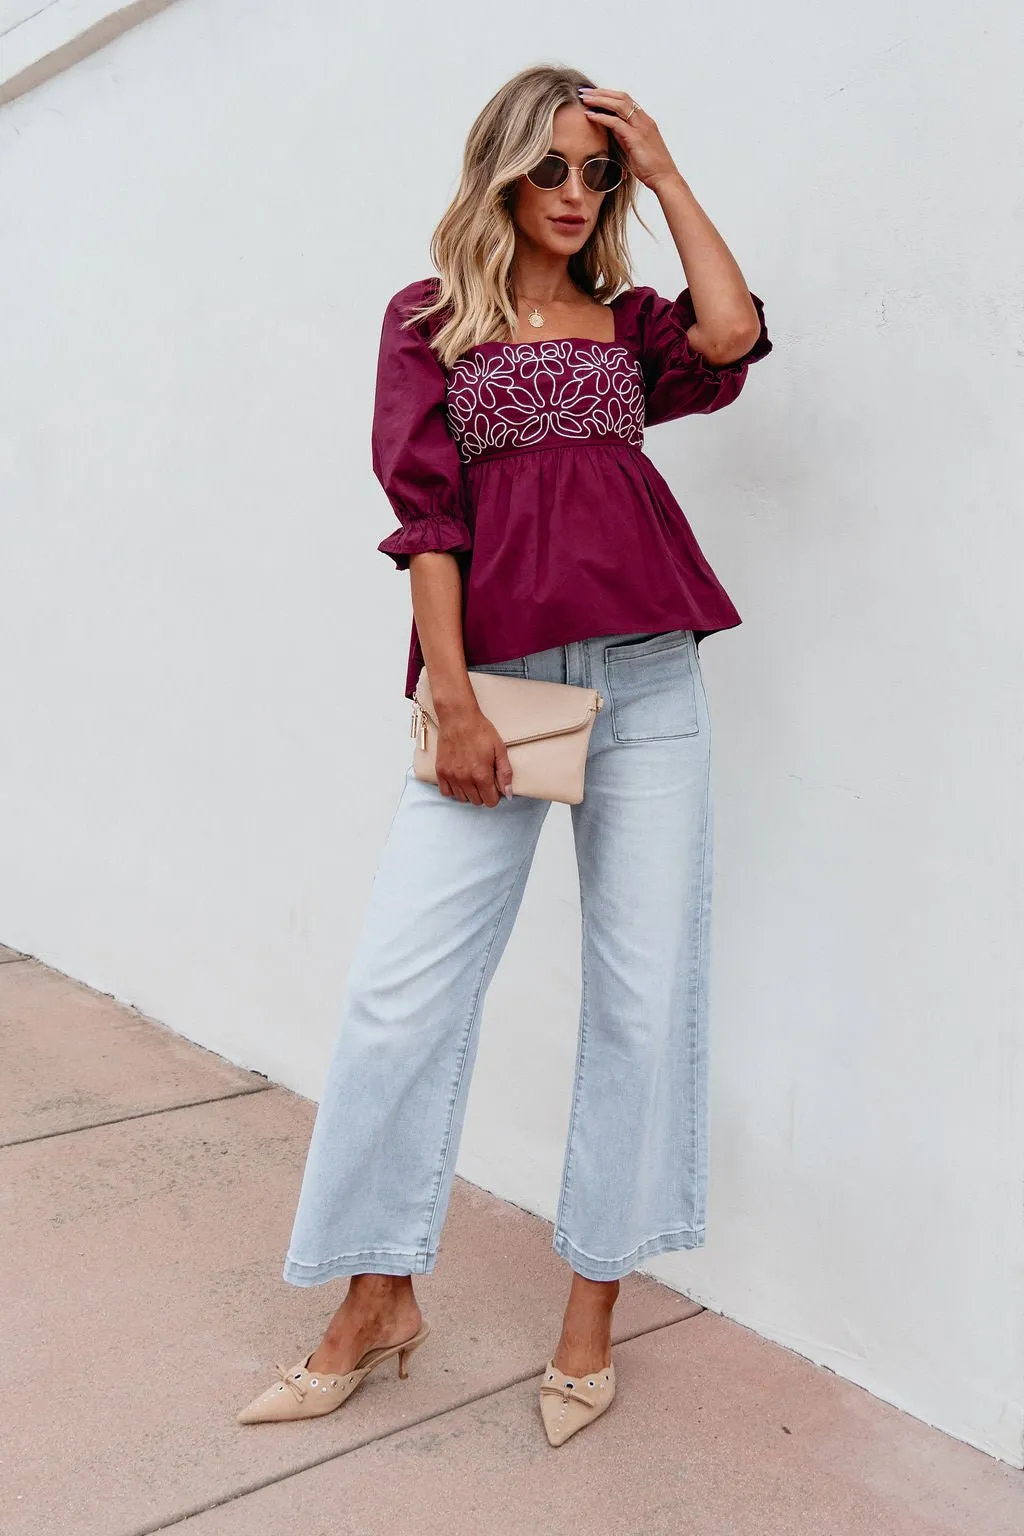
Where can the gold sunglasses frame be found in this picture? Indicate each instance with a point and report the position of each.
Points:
(604, 159)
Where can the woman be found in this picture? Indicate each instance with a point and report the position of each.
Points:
(512, 394)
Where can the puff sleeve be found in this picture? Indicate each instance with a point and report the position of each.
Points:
(414, 456)
(678, 380)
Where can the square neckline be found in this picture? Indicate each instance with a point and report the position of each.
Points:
(512, 346)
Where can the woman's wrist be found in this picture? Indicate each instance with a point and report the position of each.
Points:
(668, 181)
(454, 699)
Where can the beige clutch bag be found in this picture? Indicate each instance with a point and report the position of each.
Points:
(545, 726)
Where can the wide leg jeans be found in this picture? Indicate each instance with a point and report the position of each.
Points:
(382, 1157)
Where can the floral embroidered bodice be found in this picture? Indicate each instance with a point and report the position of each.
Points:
(502, 397)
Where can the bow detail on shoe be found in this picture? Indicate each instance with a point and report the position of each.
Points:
(288, 1378)
(574, 1406)
(567, 1390)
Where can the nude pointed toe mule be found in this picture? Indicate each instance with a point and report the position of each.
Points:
(569, 1403)
(304, 1394)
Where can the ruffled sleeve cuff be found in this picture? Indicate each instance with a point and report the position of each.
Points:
(678, 379)
(682, 316)
(440, 531)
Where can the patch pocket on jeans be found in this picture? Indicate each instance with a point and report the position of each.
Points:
(652, 687)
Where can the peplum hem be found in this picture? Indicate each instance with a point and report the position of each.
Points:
(611, 553)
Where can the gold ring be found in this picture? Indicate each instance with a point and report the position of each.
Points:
(634, 108)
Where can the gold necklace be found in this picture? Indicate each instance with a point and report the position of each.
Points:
(535, 317)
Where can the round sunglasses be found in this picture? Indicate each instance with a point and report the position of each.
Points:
(597, 175)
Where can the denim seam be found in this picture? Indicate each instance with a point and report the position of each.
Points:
(628, 741)
(515, 665)
(658, 1237)
(629, 650)
(662, 1242)
(355, 1253)
(367, 1260)
(466, 1036)
(698, 1142)
(581, 1049)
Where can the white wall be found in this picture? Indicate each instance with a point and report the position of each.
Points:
(196, 247)
(40, 38)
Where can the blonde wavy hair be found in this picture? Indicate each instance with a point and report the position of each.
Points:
(473, 246)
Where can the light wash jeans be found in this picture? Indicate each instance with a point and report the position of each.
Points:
(381, 1160)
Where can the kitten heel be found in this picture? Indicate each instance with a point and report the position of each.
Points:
(403, 1356)
(300, 1393)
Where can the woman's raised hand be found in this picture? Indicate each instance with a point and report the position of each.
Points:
(638, 135)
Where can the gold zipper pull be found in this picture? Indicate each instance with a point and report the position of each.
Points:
(423, 731)
(600, 703)
(414, 721)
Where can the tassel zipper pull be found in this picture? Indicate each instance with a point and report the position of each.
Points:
(418, 725)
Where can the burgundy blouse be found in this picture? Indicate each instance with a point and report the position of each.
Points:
(525, 460)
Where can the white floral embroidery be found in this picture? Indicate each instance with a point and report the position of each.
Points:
(521, 394)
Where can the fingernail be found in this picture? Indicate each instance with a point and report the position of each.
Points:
(507, 793)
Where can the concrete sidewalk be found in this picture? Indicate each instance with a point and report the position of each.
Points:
(148, 1191)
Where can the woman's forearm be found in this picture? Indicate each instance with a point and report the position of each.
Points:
(727, 322)
(436, 584)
